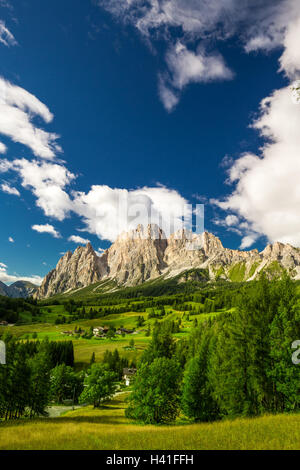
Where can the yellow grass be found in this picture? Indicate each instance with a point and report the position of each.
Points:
(108, 429)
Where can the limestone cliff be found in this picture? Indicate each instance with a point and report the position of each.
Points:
(145, 254)
(73, 271)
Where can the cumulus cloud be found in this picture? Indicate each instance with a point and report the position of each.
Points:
(186, 25)
(6, 188)
(6, 37)
(78, 240)
(266, 193)
(290, 59)
(267, 186)
(17, 110)
(47, 228)
(107, 212)
(11, 278)
(47, 181)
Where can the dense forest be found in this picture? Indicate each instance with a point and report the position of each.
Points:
(10, 309)
(233, 365)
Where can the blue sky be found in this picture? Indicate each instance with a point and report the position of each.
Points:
(140, 100)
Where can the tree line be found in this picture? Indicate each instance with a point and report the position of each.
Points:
(40, 373)
(25, 379)
(11, 309)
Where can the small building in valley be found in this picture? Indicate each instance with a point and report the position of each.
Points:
(100, 331)
(127, 332)
(128, 375)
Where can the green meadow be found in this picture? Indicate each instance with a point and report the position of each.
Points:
(84, 348)
(108, 429)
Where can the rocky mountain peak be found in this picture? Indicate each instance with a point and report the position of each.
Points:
(73, 271)
(19, 289)
(211, 243)
(144, 254)
(141, 232)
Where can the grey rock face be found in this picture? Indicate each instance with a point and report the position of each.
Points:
(145, 254)
(73, 271)
(20, 289)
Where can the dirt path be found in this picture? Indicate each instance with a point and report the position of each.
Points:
(56, 411)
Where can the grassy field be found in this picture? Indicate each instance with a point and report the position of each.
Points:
(108, 429)
(84, 348)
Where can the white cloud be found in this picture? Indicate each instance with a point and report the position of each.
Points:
(260, 25)
(10, 279)
(107, 212)
(248, 241)
(17, 109)
(267, 191)
(79, 240)
(231, 220)
(186, 67)
(47, 228)
(290, 59)
(6, 37)
(47, 181)
(100, 251)
(11, 240)
(167, 96)
(6, 188)
(3, 148)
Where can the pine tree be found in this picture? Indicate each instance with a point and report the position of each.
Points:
(93, 359)
(39, 382)
(284, 329)
(197, 400)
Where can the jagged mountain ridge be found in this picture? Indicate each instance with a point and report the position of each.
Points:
(20, 289)
(145, 254)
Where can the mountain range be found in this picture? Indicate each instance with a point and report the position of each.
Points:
(20, 289)
(145, 254)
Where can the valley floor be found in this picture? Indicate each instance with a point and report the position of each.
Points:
(108, 429)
